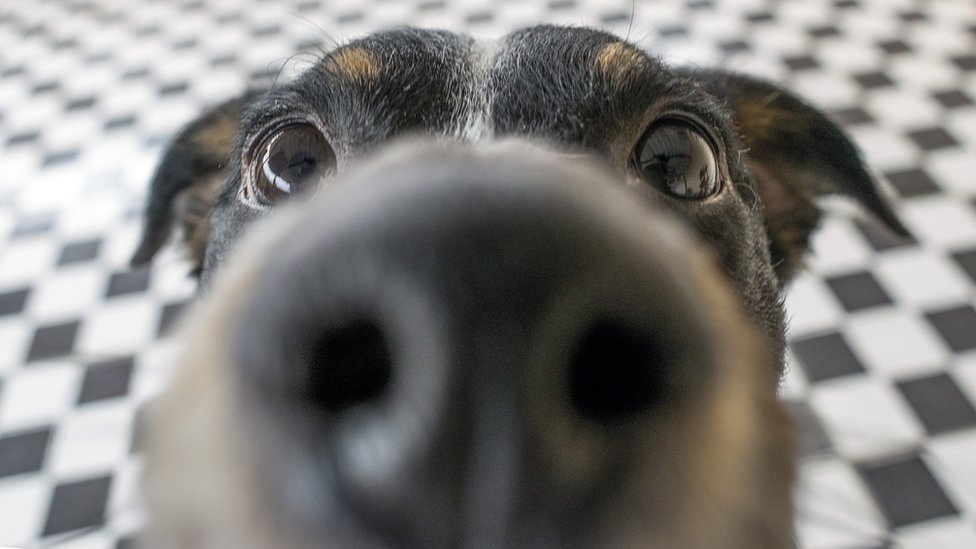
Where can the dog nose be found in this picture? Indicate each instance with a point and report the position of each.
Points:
(468, 344)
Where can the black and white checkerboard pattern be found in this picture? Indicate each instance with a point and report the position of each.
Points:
(883, 357)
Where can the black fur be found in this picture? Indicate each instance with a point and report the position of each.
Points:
(568, 91)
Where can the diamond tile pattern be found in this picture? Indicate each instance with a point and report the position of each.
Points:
(76, 252)
(858, 291)
(826, 356)
(911, 183)
(12, 302)
(957, 326)
(78, 504)
(907, 491)
(23, 452)
(106, 380)
(939, 403)
(883, 372)
(53, 341)
(933, 138)
(128, 282)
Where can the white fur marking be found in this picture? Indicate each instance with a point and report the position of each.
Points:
(474, 118)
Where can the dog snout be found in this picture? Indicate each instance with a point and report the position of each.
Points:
(477, 341)
(454, 349)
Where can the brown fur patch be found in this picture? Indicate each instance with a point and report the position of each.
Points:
(759, 119)
(192, 208)
(217, 138)
(618, 61)
(355, 64)
(790, 216)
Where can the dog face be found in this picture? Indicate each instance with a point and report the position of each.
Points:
(548, 315)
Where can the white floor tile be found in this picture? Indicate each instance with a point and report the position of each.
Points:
(39, 395)
(864, 419)
(897, 342)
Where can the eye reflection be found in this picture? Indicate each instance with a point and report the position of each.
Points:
(676, 159)
(295, 157)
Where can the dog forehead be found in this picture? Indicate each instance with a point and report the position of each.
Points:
(545, 81)
(392, 50)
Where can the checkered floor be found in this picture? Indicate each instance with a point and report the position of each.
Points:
(883, 357)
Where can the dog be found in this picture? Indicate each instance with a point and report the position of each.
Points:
(514, 293)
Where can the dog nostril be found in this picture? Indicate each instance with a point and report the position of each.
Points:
(349, 365)
(616, 373)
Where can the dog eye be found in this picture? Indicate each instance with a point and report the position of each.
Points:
(294, 157)
(676, 158)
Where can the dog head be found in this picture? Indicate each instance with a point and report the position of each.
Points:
(518, 293)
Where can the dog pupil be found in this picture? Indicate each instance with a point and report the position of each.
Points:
(287, 171)
(300, 166)
(679, 161)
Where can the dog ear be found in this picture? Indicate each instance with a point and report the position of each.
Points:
(188, 180)
(795, 154)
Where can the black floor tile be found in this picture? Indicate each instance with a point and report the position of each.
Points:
(479, 17)
(120, 122)
(135, 73)
(912, 16)
(734, 46)
(76, 252)
(185, 44)
(939, 403)
(673, 31)
(80, 103)
(33, 224)
(871, 80)
(952, 99)
(760, 17)
(894, 47)
(77, 505)
(931, 139)
(811, 437)
(350, 17)
(957, 327)
(912, 182)
(229, 58)
(13, 302)
(10, 72)
(826, 357)
(967, 260)
(52, 341)
(23, 138)
(265, 30)
(23, 452)
(175, 88)
(801, 62)
(45, 87)
(308, 5)
(858, 291)
(553, 4)
(852, 116)
(172, 312)
(128, 282)
(906, 491)
(965, 62)
(106, 380)
(880, 237)
(59, 157)
(227, 18)
(823, 31)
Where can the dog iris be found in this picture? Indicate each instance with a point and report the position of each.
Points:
(677, 159)
(294, 157)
